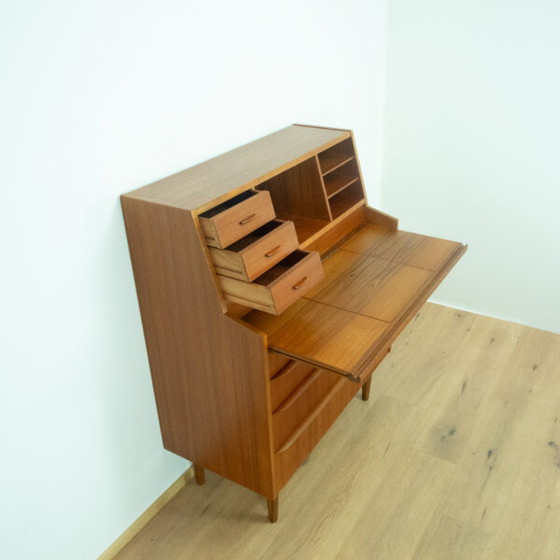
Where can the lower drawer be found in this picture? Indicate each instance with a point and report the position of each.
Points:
(295, 449)
(276, 362)
(287, 380)
(300, 403)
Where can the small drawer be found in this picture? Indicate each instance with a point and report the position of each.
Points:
(279, 287)
(256, 252)
(286, 380)
(233, 219)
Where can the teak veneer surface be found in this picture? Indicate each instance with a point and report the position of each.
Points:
(373, 283)
(241, 168)
(213, 361)
(218, 371)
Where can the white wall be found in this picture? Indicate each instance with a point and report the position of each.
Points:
(471, 147)
(96, 99)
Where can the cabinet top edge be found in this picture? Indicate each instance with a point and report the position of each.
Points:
(218, 178)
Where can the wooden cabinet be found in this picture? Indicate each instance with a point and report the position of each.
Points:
(269, 292)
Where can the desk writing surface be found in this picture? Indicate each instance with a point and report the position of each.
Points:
(373, 285)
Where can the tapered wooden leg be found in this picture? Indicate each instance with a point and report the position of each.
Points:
(365, 389)
(199, 474)
(272, 509)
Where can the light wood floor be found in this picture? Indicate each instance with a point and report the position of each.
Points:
(455, 456)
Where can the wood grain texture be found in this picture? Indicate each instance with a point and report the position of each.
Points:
(286, 380)
(296, 407)
(257, 252)
(299, 191)
(347, 199)
(335, 157)
(407, 476)
(228, 396)
(373, 285)
(342, 177)
(212, 181)
(335, 233)
(303, 439)
(402, 247)
(238, 220)
(276, 362)
(325, 336)
(278, 288)
(200, 359)
(307, 228)
(378, 218)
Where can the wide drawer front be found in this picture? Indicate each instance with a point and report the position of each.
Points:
(296, 408)
(286, 380)
(233, 219)
(254, 254)
(317, 420)
(280, 286)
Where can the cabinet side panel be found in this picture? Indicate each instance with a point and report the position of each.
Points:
(208, 371)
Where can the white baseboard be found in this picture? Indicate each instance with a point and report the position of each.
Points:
(125, 538)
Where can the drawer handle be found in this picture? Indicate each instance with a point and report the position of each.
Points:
(308, 421)
(299, 391)
(299, 284)
(247, 219)
(273, 252)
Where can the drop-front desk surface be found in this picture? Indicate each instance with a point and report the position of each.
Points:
(269, 292)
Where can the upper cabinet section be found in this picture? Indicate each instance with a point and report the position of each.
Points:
(261, 205)
(341, 177)
(206, 184)
(319, 189)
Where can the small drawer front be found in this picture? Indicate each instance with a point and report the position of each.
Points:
(258, 251)
(227, 222)
(286, 380)
(279, 287)
(295, 409)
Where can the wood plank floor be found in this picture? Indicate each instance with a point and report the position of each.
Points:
(455, 456)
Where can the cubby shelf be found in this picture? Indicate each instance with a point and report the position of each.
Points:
(346, 199)
(340, 184)
(334, 162)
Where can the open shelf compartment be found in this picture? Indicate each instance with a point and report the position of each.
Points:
(337, 155)
(342, 177)
(298, 195)
(346, 199)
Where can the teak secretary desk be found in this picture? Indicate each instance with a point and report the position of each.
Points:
(269, 292)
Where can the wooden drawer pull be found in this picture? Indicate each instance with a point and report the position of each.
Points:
(247, 219)
(288, 368)
(311, 417)
(299, 284)
(273, 251)
(299, 391)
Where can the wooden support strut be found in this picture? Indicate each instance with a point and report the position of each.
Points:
(272, 509)
(365, 389)
(199, 474)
